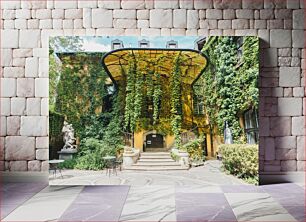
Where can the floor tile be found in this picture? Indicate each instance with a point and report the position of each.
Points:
(47, 205)
(283, 188)
(203, 207)
(298, 212)
(149, 203)
(241, 189)
(291, 199)
(101, 203)
(257, 207)
(198, 189)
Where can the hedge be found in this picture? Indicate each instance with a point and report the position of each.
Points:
(241, 160)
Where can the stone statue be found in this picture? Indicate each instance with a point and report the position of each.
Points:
(68, 138)
(228, 139)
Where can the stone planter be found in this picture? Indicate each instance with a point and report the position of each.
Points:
(182, 157)
(66, 154)
(130, 156)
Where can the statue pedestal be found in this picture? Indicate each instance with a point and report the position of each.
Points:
(182, 157)
(66, 154)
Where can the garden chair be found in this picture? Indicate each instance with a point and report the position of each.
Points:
(119, 162)
(110, 166)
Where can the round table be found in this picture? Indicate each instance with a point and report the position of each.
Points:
(53, 165)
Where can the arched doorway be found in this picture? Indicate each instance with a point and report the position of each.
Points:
(154, 140)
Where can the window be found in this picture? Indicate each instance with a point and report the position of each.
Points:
(251, 126)
(117, 44)
(198, 105)
(143, 44)
(172, 44)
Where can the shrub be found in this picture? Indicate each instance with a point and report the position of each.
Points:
(194, 149)
(241, 160)
(68, 164)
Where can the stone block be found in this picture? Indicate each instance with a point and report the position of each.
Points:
(10, 5)
(25, 87)
(3, 128)
(252, 4)
(58, 13)
(18, 106)
(43, 70)
(289, 76)
(19, 148)
(280, 38)
(78, 25)
(41, 87)
(33, 126)
(45, 24)
(277, 92)
(293, 4)
(299, 19)
(288, 165)
(192, 19)
(298, 126)
(179, 18)
(109, 4)
(264, 126)
(275, 24)
(203, 4)
(224, 24)
(150, 32)
(42, 142)
(285, 154)
(43, 14)
(8, 14)
(73, 13)
(34, 165)
(301, 166)
(208, 24)
(22, 53)
(42, 154)
(271, 168)
(160, 18)
(23, 14)
(240, 24)
(19, 62)
(142, 23)
(133, 4)
(124, 14)
(227, 4)
(270, 57)
(191, 32)
(264, 38)
(284, 52)
(66, 4)
(86, 18)
(285, 142)
(110, 31)
(288, 92)
(245, 14)
(269, 148)
(288, 24)
(18, 166)
(186, 4)
(13, 72)
(164, 4)
(229, 14)
(6, 57)
(20, 23)
(178, 32)
(2, 142)
(301, 148)
(31, 67)
(13, 125)
(280, 126)
(33, 106)
(44, 107)
(9, 38)
(283, 14)
(289, 106)
(5, 106)
(29, 38)
(87, 4)
(33, 4)
(44, 165)
(125, 23)
(298, 38)
(68, 24)
(298, 92)
(8, 87)
(214, 14)
(165, 32)
(8, 24)
(143, 14)
(284, 61)
(102, 18)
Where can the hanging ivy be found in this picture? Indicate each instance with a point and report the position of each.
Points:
(176, 101)
(156, 98)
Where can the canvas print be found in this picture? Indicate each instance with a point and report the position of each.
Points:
(133, 110)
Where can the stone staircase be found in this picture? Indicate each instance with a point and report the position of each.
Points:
(156, 161)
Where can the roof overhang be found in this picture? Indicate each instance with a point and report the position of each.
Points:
(158, 60)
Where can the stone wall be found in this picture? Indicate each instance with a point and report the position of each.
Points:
(26, 26)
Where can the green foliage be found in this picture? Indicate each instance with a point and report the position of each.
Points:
(229, 84)
(81, 89)
(68, 164)
(162, 127)
(176, 102)
(241, 160)
(194, 149)
(56, 122)
(156, 98)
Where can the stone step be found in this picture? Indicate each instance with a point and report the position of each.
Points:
(156, 157)
(155, 168)
(157, 164)
(156, 160)
(155, 154)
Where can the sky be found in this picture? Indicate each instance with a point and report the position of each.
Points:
(103, 44)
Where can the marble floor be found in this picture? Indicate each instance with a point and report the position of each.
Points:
(41, 202)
